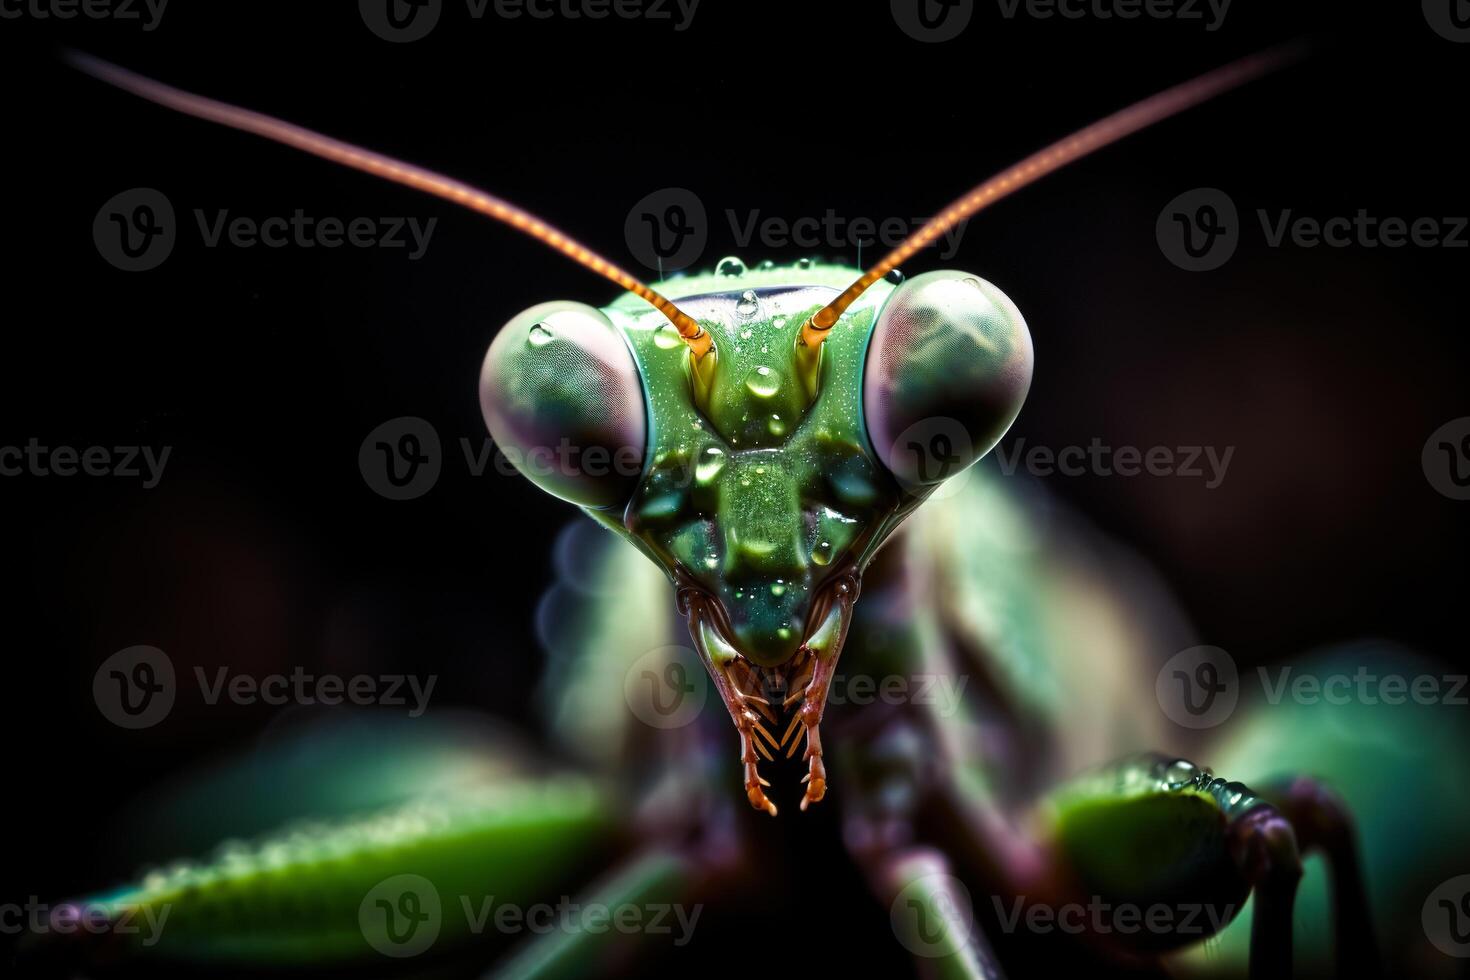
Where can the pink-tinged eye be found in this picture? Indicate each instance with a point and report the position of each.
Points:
(562, 397)
(949, 364)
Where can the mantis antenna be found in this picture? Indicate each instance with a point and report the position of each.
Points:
(389, 168)
(1109, 130)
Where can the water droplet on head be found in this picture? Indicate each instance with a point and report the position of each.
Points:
(763, 382)
(709, 467)
(730, 266)
(803, 263)
(539, 335)
(822, 553)
(748, 305)
(895, 276)
(766, 265)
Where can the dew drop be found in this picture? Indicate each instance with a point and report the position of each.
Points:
(778, 589)
(895, 276)
(730, 266)
(708, 468)
(539, 335)
(666, 337)
(763, 382)
(767, 265)
(748, 305)
(822, 553)
(803, 263)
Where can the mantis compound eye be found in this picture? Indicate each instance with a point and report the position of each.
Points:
(562, 397)
(949, 364)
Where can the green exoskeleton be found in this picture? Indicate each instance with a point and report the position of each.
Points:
(760, 434)
(765, 489)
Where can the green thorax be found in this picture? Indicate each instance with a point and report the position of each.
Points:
(762, 496)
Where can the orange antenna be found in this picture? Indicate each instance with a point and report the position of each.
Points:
(1130, 120)
(388, 168)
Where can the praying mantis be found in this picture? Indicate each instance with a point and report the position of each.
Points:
(766, 444)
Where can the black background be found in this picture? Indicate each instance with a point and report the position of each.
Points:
(1327, 369)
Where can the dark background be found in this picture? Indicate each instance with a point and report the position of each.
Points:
(1327, 369)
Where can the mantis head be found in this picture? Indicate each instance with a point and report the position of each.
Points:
(757, 435)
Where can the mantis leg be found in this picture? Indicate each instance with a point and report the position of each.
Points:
(1153, 833)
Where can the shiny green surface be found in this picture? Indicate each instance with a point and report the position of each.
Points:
(297, 896)
(762, 496)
